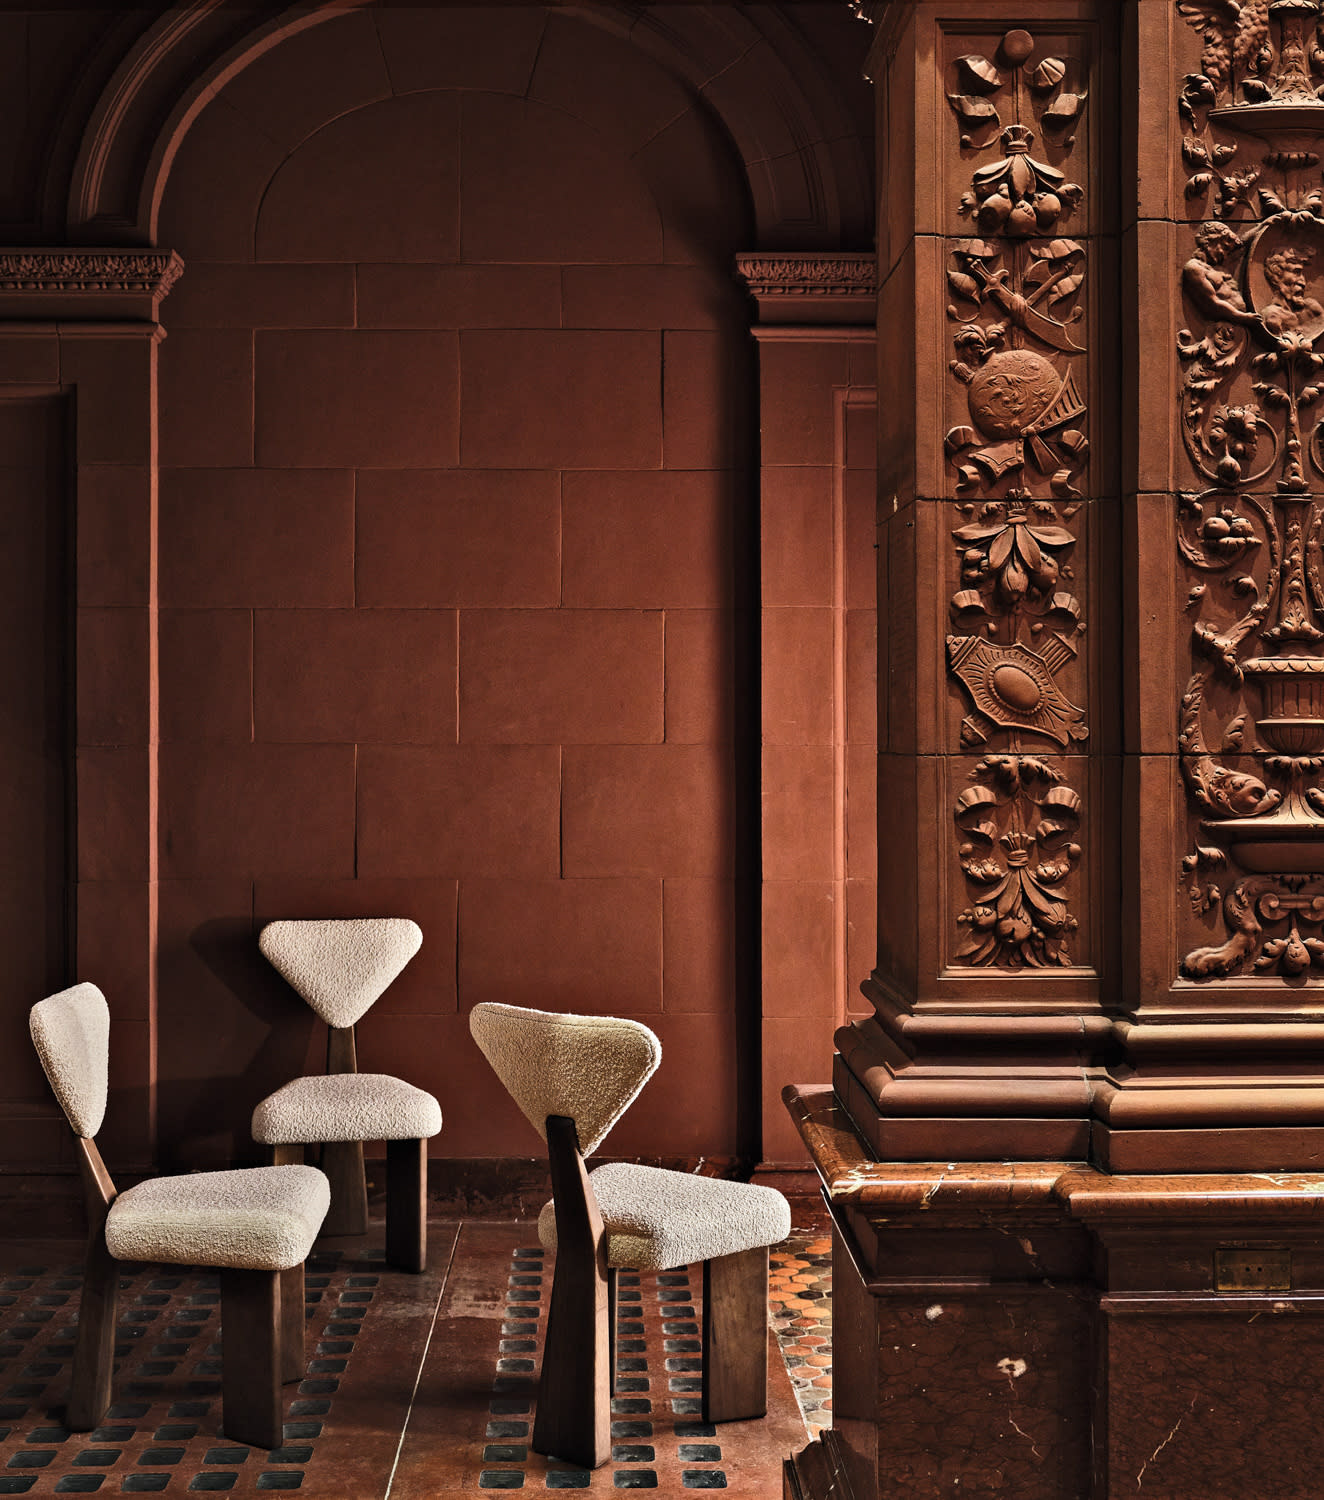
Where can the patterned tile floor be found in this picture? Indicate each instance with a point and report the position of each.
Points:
(800, 1301)
(415, 1386)
(161, 1431)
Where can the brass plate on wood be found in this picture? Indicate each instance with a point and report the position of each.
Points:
(1253, 1270)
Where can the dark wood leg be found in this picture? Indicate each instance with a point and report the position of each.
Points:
(611, 1327)
(735, 1336)
(407, 1204)
(292, 1315)
(342, 1161)
(94, 1348)
(573, 1420)
(287, 1156)
(250, 1356)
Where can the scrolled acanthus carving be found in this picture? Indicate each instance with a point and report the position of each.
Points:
(1250, 542)
(1017, 820)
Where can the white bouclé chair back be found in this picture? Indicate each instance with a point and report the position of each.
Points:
(587, 1067)
(71, 1032)
(341, 967)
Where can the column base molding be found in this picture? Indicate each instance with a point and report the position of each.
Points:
(1058, 1332)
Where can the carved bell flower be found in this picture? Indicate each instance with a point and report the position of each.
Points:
(1018, 553)
(1018, 195)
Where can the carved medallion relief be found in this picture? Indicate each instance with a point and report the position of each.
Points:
(1017, 451)
(1251, 715)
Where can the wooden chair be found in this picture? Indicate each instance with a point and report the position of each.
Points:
(573, 1077)
(255, 1225)
(340, 968)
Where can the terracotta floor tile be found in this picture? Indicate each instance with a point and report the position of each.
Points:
(416, 1385)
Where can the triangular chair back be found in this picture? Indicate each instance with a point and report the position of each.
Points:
(341, 967)
(585, 1068)
(263, 1311)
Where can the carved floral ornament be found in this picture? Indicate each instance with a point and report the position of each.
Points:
(152, 271)
(1251, 719)
(1016, 342)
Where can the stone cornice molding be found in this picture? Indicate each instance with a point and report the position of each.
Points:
(812, 286)
(85, 285)
(81, 271)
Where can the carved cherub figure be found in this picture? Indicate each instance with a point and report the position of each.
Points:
(1214, 290)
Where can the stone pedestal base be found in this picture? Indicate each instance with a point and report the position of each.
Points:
(1053, 1332)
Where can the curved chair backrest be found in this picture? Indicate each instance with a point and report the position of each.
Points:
(587, 1067)
(341, 967)
(71, 1032)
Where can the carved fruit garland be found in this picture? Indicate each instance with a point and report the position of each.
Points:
(1016, 304)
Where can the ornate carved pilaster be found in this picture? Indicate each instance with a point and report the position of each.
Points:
(1224, 1067)
(997, 513)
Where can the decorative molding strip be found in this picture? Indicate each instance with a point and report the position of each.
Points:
(810, 273)
(151, 272)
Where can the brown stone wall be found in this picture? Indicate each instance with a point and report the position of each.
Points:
(454, 496)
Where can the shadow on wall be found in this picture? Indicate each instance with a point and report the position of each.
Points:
(209, 1113)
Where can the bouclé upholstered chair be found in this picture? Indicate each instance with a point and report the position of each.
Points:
(256, 1225)
(341, 967)
(573, 1077)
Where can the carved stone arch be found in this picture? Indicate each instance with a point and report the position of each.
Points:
(164, 81)
(807, 175)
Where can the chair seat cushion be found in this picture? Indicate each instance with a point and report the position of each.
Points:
(256, 1218)
(657, 1219)
(346, 1107)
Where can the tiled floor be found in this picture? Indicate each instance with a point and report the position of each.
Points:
(800, 1300)
(416, 1386)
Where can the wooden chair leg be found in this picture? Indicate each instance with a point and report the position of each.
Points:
(287, 1155)
(735, 1336)
(292, 1317)
(407, 1204)
(94, 1348)
(573, 1420)
(342, 1161)
(611, 1327)
(251, 1371)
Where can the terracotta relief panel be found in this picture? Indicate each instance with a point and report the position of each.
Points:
(1249, 519)
(1023, 125)
(1023, 351)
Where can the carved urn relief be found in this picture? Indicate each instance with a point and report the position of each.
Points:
(1251, 717)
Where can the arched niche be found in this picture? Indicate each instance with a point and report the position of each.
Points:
(758, 75)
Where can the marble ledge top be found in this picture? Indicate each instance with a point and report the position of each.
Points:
(852, 1178)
